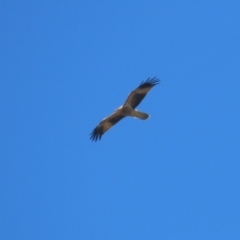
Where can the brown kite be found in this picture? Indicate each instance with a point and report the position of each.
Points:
(127, 109)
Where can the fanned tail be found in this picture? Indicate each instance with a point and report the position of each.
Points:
(140, 115)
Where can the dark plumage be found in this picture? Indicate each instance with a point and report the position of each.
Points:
(104, 125)
(137, 95)
(128, 108)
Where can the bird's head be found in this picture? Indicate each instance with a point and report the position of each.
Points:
(118, 109)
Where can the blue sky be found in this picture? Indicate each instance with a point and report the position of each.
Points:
(65, 65)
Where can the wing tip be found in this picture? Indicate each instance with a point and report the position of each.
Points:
(95, 135)
(150, 82)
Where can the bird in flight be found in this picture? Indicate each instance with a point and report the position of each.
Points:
(127, 109)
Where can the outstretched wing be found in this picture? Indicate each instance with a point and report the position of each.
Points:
(105, 125)
(137, 95)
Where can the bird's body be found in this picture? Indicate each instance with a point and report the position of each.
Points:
(127, 109)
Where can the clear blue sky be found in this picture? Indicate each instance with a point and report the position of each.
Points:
(65, 65)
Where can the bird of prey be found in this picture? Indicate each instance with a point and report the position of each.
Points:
(127, 109)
